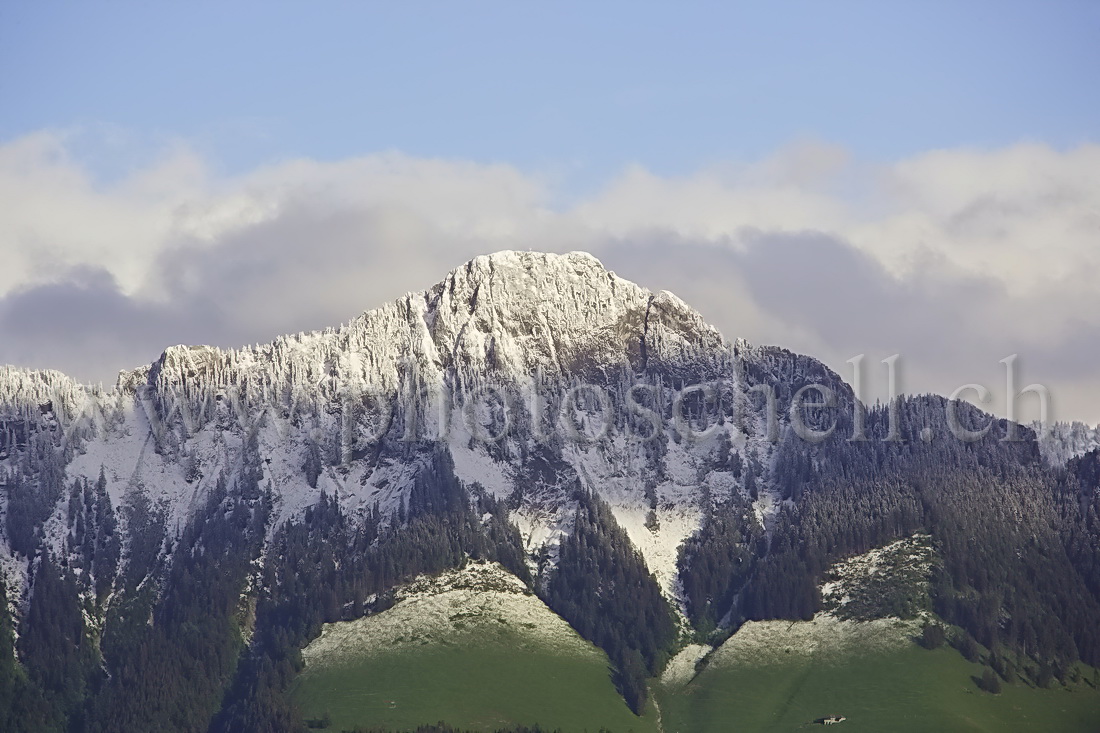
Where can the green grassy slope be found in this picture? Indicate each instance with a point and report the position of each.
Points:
(480, 687)
(898, 689)
(477, 650)
(859, 661)
(474, 653)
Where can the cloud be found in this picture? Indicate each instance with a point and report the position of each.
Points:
(816, 294)
(86, 325)
(954, 258)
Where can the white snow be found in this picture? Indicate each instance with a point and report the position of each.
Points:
(770, 641)
(474, 465)
(912, 554)
(522, 320)
(660, 548)
(766, 507)
(481, 603)
(1065, 440)
(681, 668)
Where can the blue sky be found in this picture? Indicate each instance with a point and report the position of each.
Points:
(577, 89)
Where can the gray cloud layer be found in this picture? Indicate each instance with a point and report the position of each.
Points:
(953, 259)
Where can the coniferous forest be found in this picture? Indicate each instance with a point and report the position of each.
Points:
(415, 368)
(203, 625)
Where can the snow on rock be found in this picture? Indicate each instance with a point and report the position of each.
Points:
(766, 506)
(474, 465)
(660, 546)
(14, 572)
(541, 530)
(376, 395)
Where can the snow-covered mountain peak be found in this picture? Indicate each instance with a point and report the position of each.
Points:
(509, 314)
(520, 311)
(512, 262)
(25, 390)
(365, 409)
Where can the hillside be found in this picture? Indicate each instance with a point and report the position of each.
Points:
(170, 546)
(473, 647)
(858, 660)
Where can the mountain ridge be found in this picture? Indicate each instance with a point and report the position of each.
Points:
(651, 481)
(492, 312)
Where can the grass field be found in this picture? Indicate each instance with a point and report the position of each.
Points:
(859, 663)
(902, 689)
(475, 649)
(485, 686)
(471, 648)
(477, 686)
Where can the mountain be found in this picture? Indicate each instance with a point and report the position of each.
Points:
(171, 544)
(1063, 441)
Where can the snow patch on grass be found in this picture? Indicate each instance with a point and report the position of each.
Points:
(682, 667)
(858, 596)
(480, 604)
(762, 642)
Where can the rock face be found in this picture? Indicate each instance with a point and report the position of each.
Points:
(215, 508)
(539, 374)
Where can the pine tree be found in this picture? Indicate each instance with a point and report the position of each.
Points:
(990, 682)
(932, 636)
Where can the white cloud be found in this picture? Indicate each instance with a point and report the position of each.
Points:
(993, 212)
(956, 258)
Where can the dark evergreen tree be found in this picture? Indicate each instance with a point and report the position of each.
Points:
(932, 636)
(602, 587)
(990, 682)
